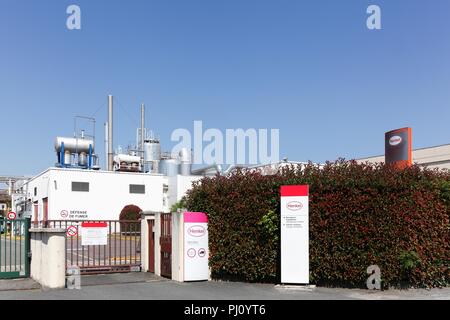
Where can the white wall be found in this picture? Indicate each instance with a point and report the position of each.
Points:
(178, 185)
(108, 193)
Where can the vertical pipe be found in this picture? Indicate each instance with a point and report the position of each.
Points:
(142, 126)
(141, 147)
(90, 157)
(110, 133)
(106, 146)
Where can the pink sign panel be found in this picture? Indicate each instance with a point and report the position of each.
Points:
(195, 217)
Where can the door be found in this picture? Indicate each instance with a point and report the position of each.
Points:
(45, 215)
(36, 214)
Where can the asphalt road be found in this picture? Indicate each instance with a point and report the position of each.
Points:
(140, 286)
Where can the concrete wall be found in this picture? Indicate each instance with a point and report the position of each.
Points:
(178, 185)
(177, 247)
(48, 257)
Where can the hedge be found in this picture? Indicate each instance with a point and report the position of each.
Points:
(360, 214)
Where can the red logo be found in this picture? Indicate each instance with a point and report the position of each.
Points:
(395, 140)
(64, 214)
(294, 205)
(197, 231)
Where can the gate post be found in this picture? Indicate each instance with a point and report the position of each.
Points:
(177, 246)
(146, 234)
(157, 228)
(48, 257)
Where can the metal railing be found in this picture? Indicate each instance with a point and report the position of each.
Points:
(14, 248)
(122, 252)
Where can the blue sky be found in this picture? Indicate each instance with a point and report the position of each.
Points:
(309, 68)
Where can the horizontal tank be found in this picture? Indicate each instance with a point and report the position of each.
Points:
(169, 167)
(127, 163)
(74, 145)
(126, 158)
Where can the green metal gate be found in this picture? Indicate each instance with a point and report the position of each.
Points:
(14, 248)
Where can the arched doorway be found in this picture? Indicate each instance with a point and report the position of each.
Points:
(130, 212)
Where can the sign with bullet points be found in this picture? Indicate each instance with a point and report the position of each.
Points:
(294, 234)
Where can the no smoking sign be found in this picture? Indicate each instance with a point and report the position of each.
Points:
(11, 215)
(72, 231)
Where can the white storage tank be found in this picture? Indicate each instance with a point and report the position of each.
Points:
(186, 162)
(169, 167)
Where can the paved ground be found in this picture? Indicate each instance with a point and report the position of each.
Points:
(147, 286)
(18, 284)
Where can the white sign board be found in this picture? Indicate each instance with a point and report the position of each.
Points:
(195, 246)
(94, 233)
(294, 234)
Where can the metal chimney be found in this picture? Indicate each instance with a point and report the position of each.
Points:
(110, 133)
(142, 129)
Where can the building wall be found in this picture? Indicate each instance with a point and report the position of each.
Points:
(432, 157)
(178, 186)
(108, 193)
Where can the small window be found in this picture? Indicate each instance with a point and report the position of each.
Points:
(137, 188)
(80, 186)
(35, 191)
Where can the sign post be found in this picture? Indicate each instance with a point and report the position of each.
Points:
(294, 227)
(195, 246)
(398, 147)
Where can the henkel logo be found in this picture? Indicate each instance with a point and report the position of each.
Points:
(395, 140)
(197, 231)
(294, 205)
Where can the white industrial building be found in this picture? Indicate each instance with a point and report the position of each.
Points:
(430, 157)
(76, 189)
(79, 194)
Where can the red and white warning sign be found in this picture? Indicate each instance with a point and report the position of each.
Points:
(94, 233)
(11, 215)
(72, 231)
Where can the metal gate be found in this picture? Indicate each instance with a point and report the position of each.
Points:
(165, 242)
(122, 252)
(14, 248)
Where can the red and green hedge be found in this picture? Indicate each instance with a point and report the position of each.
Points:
(360, 214)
